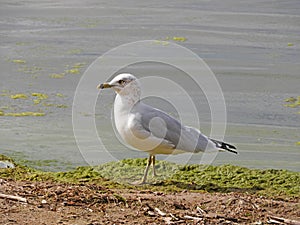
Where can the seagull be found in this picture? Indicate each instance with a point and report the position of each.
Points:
(151, 130)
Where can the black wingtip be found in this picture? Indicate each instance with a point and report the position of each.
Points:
(233, 151)
(225, 146)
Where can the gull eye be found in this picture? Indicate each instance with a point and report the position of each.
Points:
(121, 82)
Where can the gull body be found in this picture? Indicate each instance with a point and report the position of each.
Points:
(152, 130)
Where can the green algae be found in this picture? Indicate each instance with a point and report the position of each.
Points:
(59, 95)
(293, 102)
(18, 61)
(78, 65)
(62, 106)
(37, 98)
(181, 39)
(131, 170)
(27, 69)
(19, 114)
(177, 38)
(164, 43)
(74, 69)
(57, 75)
(19, 96)
(40, 96)
(172, 177)
(234, 178)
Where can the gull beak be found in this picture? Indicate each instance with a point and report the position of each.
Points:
(104, 85)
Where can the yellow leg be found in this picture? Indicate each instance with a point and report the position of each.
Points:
(147, 169)
(153, 165)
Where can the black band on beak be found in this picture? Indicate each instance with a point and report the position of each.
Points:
(104, 85)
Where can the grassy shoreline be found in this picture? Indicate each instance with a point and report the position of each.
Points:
(172, 177)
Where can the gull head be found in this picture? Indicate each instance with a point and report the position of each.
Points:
(123, 84)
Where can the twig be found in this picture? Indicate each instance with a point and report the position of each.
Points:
(160, 212)
(280, 220)
(12, 197)
(201, 211)
(192, 218)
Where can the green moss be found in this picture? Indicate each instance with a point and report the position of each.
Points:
(227, 178)
(224, 178)
(172, 177)
(5, 158)
(80, 174)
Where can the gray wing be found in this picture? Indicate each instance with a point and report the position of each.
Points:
(161, 125)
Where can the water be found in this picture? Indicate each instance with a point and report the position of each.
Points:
(253, 52)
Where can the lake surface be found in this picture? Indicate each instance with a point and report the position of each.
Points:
(253, 48)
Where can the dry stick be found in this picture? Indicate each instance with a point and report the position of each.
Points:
(12, 197)
(280, 220)
(161, 213)
(192, 218)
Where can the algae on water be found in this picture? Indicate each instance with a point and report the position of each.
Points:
(75, 69)
(30, 104)
(177, 38)
(19, 61)
(19, 96)
(18, 114)
(57, 75)
(293, 102)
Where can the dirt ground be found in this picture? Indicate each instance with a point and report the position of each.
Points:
(53, 203)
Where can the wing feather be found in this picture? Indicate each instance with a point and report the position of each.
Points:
(162, 125)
